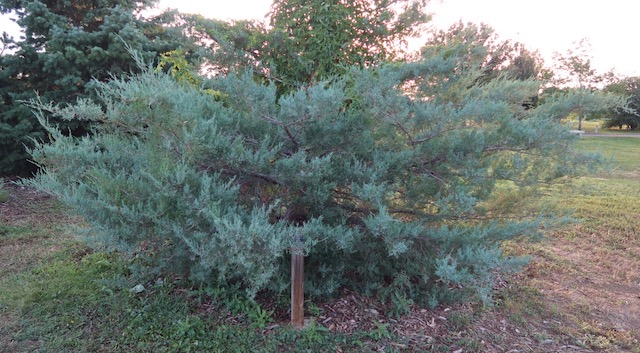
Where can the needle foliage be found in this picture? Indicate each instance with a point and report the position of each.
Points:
(383, 169)
(64, 46)
(383, 175)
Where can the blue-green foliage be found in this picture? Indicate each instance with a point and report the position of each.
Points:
(382, 175)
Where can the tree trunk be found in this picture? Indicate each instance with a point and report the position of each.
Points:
(579, 121)
(297, 287)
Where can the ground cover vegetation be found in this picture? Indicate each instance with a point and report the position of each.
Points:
(398, 175)
(4, 194)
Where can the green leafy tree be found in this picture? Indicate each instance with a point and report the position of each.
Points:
(310, 41)
(574, 67)
(486, 51)
(629, 118)
(65, 45)
(574, 72)
(330, 36)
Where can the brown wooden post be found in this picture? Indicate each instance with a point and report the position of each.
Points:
(297, 287)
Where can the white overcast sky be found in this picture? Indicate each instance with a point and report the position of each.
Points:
(612, 26)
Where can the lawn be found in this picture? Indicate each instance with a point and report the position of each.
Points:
(622, 150)
(578, 294)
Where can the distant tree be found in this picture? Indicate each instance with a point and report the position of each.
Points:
(482, 49)
(526, 65)
(491, 54)
(574, 71)
(484, 52)
(573, 68)
(65, 45)
(630, 117)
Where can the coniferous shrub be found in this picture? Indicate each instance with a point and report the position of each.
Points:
(383, 176)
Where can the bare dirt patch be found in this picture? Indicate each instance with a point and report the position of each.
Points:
(28, 207)
(596, 284)
(32, 227)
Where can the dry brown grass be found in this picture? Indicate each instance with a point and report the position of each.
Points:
(589, 271)
(32, 227)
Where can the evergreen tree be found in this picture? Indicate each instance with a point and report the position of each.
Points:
(486, 50)
(65, 45)
(386, 175)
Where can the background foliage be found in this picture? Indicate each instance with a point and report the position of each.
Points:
(625, 118)
(310, 41)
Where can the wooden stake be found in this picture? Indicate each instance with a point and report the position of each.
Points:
(297, 288)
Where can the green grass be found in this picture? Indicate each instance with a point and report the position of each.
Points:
(87, 306)
(623, 150)
(12, 233)
(589, 126)
(58, 296)
(592, 262)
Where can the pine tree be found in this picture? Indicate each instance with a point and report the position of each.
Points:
(65, 45)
